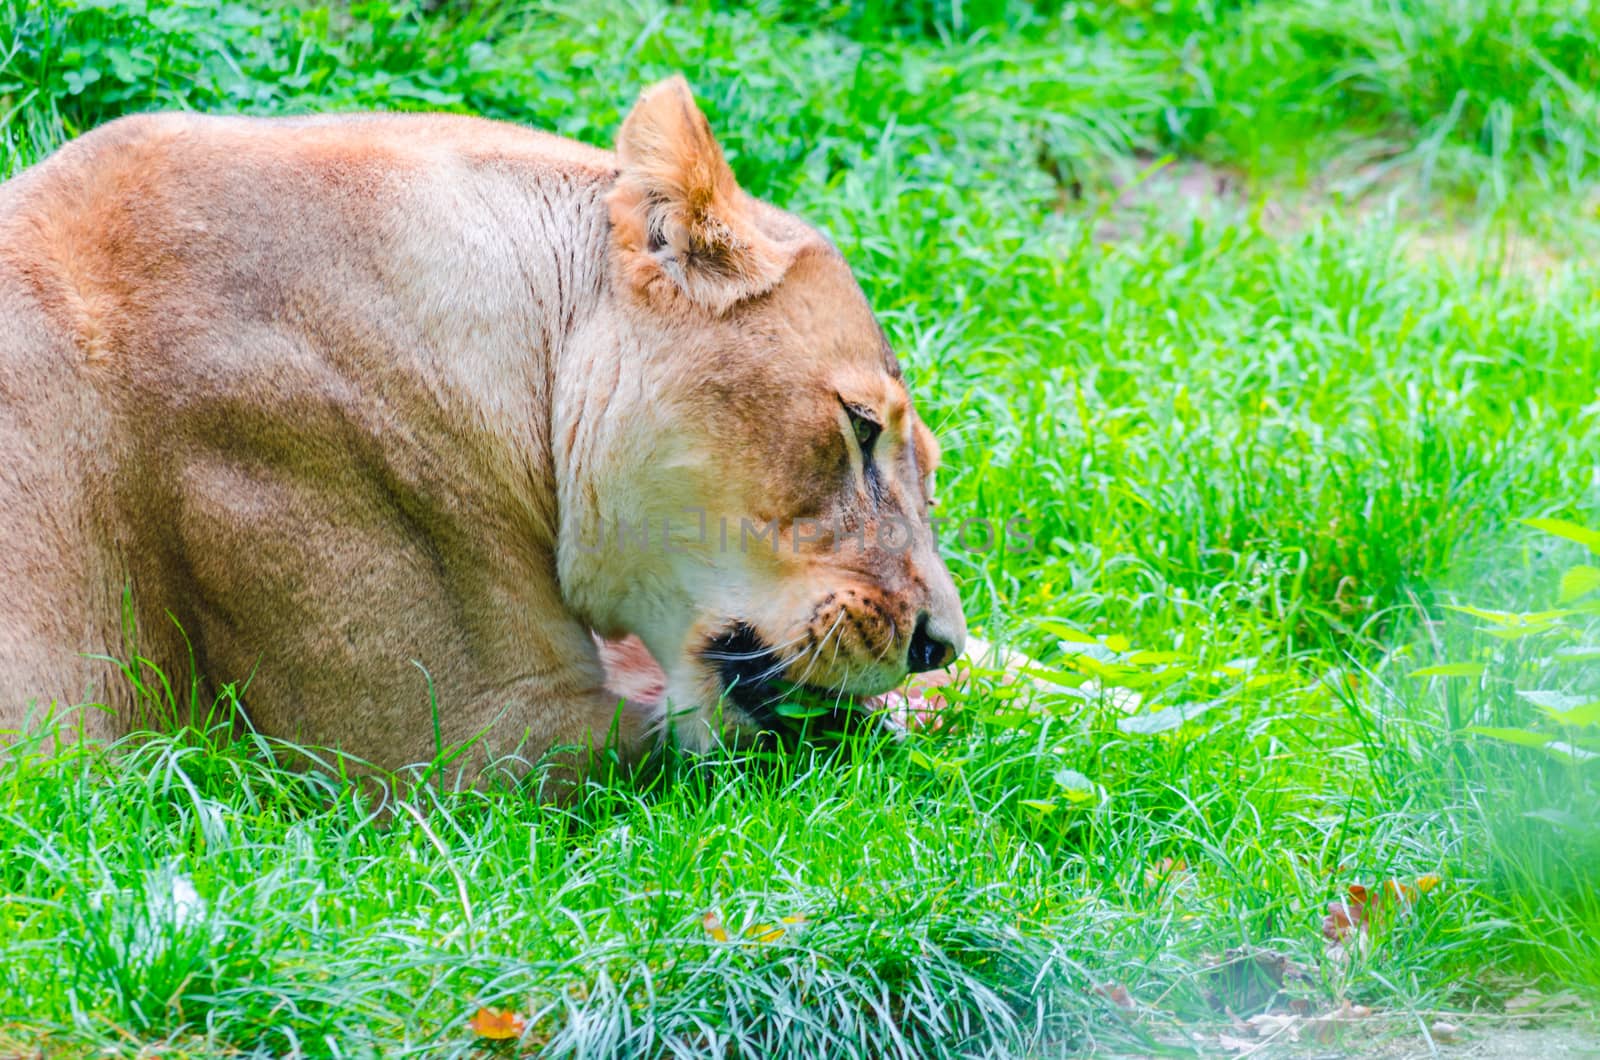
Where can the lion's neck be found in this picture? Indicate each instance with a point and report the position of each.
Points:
(623, 478)
(506, 307)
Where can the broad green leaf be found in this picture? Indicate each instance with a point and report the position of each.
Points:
(1155, 658)
(1519, 632)
(1069, 681)
(1570, 753)
(1450, 670)
(1556, 701)
(938, 765)
(1013, 719)
(1126, 678)
(1074, 785)
(1579, 581)
(1564, 707)
(1108, 673)
(1267, 680)
(1066, 632)
(1585, 714)
(1520, 737)
(1504, 618)
(1578, 653)
(800, 711)
(1164, 720)
(1512, 618)
(1589, 539)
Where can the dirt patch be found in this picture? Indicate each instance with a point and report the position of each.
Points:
(1550, 1043)
(1481, 1042)
(1141, 192)
(1397, 1037)
(1145, 190)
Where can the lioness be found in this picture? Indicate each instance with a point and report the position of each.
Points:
(321, 397)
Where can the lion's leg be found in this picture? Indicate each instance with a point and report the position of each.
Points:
(52, 615)
(447, 650)
(57, 625)
(45, 686)
(531, 727)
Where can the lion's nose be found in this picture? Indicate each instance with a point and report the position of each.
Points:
(927, 651)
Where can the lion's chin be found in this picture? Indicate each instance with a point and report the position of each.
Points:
(755, 697)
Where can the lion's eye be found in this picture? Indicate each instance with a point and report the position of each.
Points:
(867, 431)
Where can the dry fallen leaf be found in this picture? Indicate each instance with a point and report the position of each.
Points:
(1345, 916)
(1164, 870)
(497, 1024)
(712, 922)
(1117, 994)
(1328, 1027)
(1272, 1025)
(773, 932)
(1283, 1026)
(1361, 905)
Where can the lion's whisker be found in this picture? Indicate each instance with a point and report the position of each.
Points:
(837, 644)
(816, 650)
(741, 656)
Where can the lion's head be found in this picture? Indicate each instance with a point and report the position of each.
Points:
(757, 496)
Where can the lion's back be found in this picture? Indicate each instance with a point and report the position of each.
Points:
(164, 272)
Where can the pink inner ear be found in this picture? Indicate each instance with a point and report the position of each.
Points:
(631, 671)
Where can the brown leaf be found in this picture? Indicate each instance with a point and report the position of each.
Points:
(1361, 906)
(774, 932)
(1248, 978)
(712, 922)
(1330, 1026)
(1275, 1025)
(1164, 870)
(497, 1024)
(1343, 918)
(1117, 994)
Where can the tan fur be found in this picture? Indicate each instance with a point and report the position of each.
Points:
(337, 395)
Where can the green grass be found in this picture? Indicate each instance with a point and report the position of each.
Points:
(1270, 449)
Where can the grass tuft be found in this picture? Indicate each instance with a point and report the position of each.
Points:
(1256, 439)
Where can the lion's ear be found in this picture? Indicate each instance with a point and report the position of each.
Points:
(678, 214)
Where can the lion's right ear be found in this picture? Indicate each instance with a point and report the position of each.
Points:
(677, 214)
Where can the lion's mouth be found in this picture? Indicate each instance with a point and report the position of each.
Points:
(748, 668)
(750, 671)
